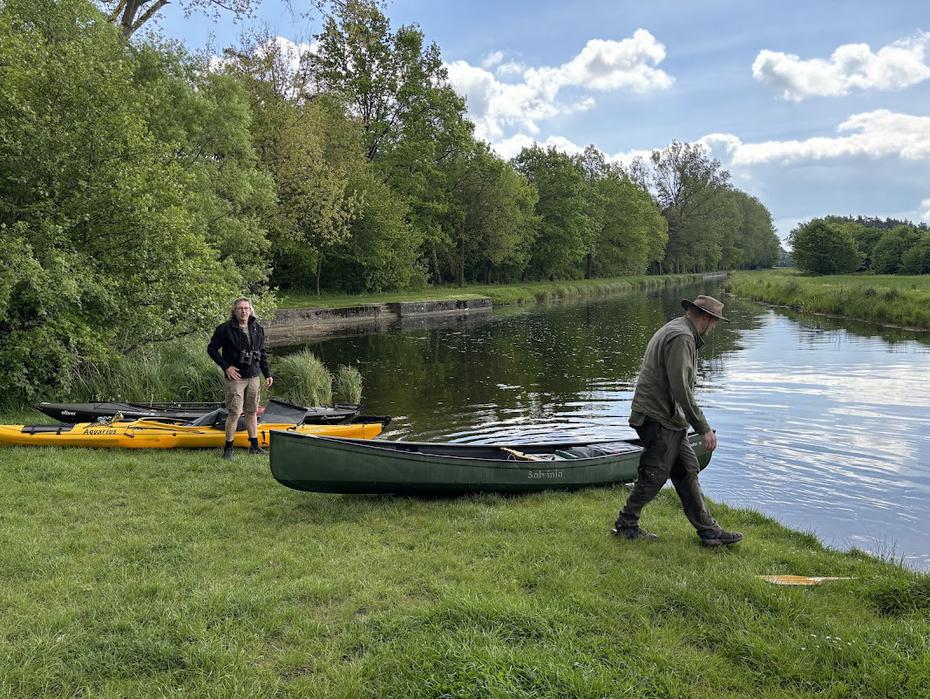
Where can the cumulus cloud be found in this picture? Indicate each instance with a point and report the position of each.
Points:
(509, 147)
(876, 134)
(852, 67)
(925, 210)
(602, 65)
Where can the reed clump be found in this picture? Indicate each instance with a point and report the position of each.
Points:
(301, 378)
(347, 385)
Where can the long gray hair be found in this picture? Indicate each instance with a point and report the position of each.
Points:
(232, 309)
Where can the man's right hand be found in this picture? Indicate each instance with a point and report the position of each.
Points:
(233, 374)
(710, 440)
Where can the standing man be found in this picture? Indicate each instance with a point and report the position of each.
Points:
(663, 407)
(238, 347)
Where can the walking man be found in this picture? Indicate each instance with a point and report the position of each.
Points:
(238, 347)
(663, 407)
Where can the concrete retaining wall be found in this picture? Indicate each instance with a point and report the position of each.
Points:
(294, 325)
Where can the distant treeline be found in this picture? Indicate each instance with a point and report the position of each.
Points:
(841, 244)
(142, 187)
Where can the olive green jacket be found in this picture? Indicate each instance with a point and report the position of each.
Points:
(665, 388)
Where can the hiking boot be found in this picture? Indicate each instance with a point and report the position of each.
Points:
(228, 453)
(255, 449)
(634, 533)
(721, 538)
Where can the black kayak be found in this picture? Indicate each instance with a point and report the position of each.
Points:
(183, 411)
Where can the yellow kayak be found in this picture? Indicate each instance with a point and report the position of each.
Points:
(155, 434)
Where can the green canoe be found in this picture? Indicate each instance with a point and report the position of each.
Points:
(335, 465)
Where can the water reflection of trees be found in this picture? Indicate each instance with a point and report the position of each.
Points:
(517, 367)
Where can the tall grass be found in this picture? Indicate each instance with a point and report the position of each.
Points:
(182, 371)
(891, 300)
(347, 385)
(179, 370)
(301, 378)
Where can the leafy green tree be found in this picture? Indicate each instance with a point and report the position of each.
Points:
(916, 260)
(821, 248)
(124, 178)
(631, 232)
(565, 230)
(757, 240)
(413, 122)
(494, 223)
(311, 148)
(691, 189)
(888, 253)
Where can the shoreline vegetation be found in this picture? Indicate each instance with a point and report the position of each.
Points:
(500, 294)
(890, 300)
(123, 577)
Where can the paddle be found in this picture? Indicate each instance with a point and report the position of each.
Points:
(519, 455)
(798, 579)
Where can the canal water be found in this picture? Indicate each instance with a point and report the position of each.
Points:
(822, 424)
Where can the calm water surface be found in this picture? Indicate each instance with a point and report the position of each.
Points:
(823, 425)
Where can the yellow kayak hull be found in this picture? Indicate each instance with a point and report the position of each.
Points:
(151, 434)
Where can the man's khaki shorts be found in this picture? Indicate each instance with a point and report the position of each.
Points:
(242, 395)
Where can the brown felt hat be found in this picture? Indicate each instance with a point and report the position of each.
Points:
(708, 304)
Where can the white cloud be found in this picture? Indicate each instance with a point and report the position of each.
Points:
(496, 106)
(852, 67)
(492, 59)
(925, 210)
(509, 147)
(876, 134)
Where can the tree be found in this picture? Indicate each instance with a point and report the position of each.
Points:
(820, 248)
(311, 148)
(565, 230)
(629, 230)
(493, 221)
(888, 253)
(690, 188)
(916, 260)
(128, 178)
(130, 15)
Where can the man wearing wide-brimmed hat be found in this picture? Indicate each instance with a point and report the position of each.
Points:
(663, 407)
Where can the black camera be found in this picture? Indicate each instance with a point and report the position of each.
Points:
(248, 357)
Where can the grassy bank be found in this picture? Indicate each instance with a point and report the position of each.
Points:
(500, 294)
(902, 301)
(152, 574)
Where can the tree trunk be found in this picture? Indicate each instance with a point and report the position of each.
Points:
(319, 272)
(589, 270)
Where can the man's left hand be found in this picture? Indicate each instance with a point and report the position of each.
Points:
(269, 381)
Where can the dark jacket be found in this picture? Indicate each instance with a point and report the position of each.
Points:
(229, 341)
(665, 387)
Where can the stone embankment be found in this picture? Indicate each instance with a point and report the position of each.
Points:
(295, 325)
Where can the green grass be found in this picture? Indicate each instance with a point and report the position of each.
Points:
(500, 294)
(902, 301)
(151, 574)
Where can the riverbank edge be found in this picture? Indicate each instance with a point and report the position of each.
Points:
(375, 313)
(870, 302)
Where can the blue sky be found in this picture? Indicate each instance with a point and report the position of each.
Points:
(815, 107)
